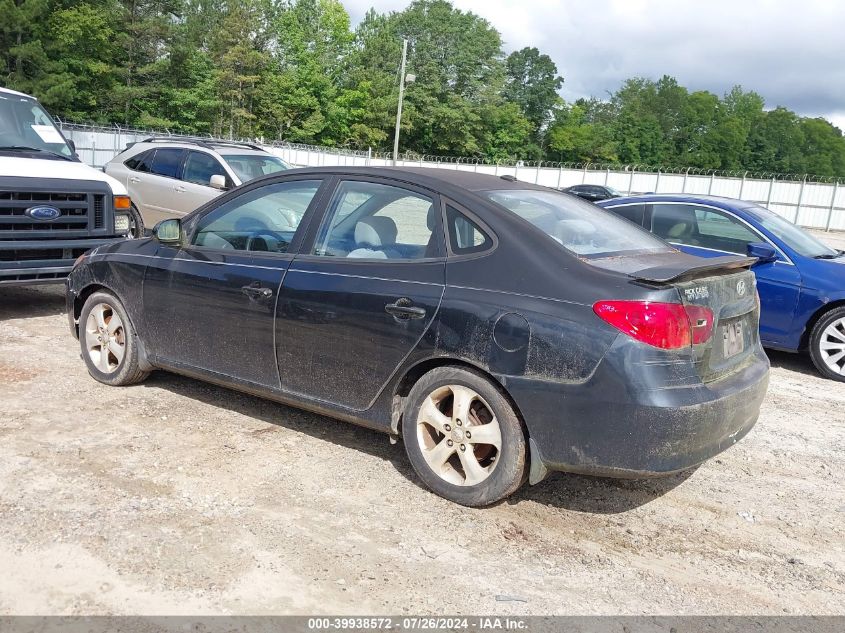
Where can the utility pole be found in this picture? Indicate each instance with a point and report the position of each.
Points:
(401, 97)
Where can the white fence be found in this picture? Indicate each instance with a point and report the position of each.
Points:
(806, 201)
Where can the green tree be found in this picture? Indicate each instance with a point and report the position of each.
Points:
(532, 83)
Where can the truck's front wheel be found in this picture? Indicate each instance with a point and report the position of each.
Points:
(136, 223)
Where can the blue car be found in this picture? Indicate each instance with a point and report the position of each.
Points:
(801, 281)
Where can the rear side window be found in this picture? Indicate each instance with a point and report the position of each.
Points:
(633, 212)
(465, 236)
(577, 225)
(140, 162)
(378, 221)
(166, 162)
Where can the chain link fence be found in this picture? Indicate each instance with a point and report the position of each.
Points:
(809, 201)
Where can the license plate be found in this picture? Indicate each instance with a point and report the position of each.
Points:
(732, 339)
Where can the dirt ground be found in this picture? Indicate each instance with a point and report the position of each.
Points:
(176, 497)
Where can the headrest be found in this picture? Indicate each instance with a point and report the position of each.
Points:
(430, 219)
(375, 231)
(571, 231)
(681, 229)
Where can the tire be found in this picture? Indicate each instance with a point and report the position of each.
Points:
(96, 324)
(137, 230)
(827, 344)
(471, 471)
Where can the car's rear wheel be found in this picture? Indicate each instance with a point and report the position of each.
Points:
(109, 344)
(827, 344)
(463, 437)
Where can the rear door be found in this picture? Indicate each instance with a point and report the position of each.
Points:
(158, 187)
(210, 304)
(363, 293)
(710, 232)
(195, 189)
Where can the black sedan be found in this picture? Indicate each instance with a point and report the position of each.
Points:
(593, 193)
(500, 329)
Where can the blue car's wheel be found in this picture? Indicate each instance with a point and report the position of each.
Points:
(827, 344)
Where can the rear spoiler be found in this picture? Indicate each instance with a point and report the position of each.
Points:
(682, 270)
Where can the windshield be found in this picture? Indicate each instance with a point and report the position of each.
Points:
(250, 166)
(793, 236)
(578, 225)
(25, 124)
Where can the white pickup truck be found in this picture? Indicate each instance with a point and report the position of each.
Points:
(53, 207)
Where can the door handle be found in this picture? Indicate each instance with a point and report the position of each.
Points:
(404, 309)
(134, 179)
(255, 291)
(179, 189)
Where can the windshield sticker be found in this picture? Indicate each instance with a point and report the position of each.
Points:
(48, 133)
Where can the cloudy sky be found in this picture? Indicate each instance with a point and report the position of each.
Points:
(792, 53)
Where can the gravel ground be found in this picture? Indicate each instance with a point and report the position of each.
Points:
(176, 497)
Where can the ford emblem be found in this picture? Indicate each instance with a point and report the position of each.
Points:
(44, 213)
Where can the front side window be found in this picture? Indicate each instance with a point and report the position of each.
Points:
(200, 167)
(166, 162)
(793, 236)
(699, 226)
(577, 225)
(251, 166)
(375, 221)
(264, 219)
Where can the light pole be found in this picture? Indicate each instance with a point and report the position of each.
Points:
(401, 97)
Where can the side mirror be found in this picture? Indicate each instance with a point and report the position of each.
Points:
(763, 252)
(217, 181)
(168, 232)
(72, 146)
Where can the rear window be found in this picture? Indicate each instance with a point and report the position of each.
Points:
(577, 225)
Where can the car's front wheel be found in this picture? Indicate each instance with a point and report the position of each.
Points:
(827, 344)
(109, 344)
(463, 437)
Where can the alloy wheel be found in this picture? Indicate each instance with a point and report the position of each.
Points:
(459, 436)
(832, 346)
(105, 338)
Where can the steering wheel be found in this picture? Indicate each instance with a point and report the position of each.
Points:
(265, 233)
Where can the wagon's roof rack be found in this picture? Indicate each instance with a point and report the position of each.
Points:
(508, 177)
(207, 143)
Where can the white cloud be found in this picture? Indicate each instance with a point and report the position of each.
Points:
(792, 53)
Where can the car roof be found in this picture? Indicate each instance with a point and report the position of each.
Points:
(435, 178)
(721, 201)
(218, 146)
(228, 150)
(16, 93)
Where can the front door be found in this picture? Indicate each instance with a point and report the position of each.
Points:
(358, 301)
(211, 304)
(708, 232)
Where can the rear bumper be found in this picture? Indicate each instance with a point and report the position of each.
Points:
(47, 270)
(634, 429)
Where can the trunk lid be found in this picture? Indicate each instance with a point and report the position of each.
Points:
(732, 298)
(724, 285)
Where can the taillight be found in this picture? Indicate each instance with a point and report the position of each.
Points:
(663, 325)
(701, 322)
